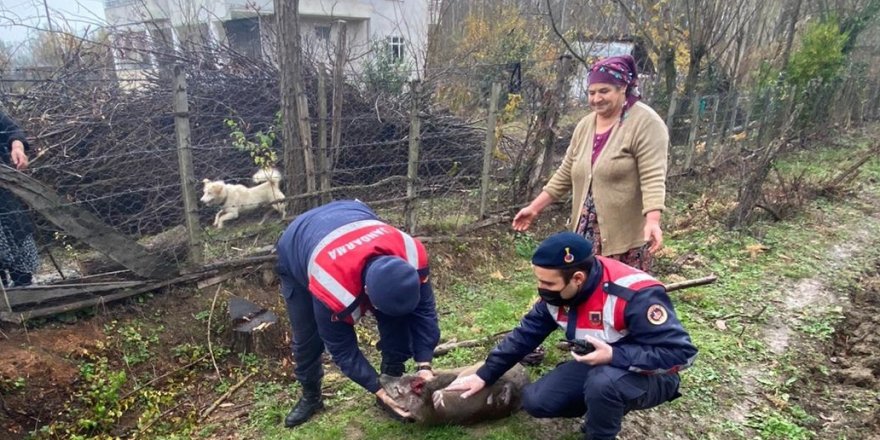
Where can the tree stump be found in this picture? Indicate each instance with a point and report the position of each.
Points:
(254, 329)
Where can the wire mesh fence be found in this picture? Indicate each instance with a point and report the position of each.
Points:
(108, 143)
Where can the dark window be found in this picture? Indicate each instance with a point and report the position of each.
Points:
(322, 33)
(395, 48)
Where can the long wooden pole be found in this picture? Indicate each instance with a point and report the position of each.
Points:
(488, 148)
(185, 163)
(412, 172)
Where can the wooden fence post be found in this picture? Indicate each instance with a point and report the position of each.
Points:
(185, 161)
(323, 166)
(489, 148)
(710, 133)
(412, 172)
(338, 92)
(692, 136)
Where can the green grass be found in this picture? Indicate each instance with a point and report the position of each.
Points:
(480, 294)
(793, 250)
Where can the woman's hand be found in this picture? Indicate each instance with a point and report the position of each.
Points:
(524, 218)
(18, 156)
(653, 233)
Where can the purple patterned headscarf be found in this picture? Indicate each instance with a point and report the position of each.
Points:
(620, 71)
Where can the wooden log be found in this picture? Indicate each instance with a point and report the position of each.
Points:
(40, 294)
(446, 347)
(220, 278)
(85, 226)
(20, 317)
(170, 244)
(691, 283)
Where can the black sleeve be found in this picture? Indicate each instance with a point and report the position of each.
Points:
(10, 131)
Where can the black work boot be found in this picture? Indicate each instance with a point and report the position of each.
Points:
(309, 404)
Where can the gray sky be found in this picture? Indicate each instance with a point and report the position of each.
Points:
(16, 16)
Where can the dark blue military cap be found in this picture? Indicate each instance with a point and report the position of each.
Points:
(562, 250)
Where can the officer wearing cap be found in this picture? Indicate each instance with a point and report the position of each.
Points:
(623, 313)
(336, 263)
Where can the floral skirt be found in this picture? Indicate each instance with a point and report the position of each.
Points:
(588, 226)
(18, 250)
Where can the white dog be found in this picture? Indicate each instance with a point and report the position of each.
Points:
(238, 199)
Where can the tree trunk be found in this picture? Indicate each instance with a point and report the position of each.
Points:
(290, 68)
(547, 119)
(789, 36)
(669, 70)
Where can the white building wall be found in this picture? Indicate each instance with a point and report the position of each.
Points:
(368, 20)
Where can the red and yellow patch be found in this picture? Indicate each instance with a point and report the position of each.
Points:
(657, 314)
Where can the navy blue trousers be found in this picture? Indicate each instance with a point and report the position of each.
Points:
(307, 345)
(603, 392)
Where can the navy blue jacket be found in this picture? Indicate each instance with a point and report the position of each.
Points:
(9, 131)
(647, 349)
(294, 248)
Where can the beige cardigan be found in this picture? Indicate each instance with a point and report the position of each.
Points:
(629, 178)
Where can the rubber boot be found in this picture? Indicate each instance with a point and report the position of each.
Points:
(310, 403)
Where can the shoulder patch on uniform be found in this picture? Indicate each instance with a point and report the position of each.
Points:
(657, 314)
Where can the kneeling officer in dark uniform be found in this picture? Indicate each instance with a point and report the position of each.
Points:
(336, 263)
(627, 317)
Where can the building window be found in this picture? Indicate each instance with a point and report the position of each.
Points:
(322, 33)
(244, 37)
(395, 48)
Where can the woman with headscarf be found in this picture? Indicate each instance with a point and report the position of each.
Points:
(615, 167)
(18, 250)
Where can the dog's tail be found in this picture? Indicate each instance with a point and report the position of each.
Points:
(271, 175)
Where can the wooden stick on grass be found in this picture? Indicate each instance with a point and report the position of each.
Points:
(225, 396)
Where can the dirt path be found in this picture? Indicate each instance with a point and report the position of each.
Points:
(836, 381)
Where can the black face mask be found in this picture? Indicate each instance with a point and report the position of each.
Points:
(553, 297)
